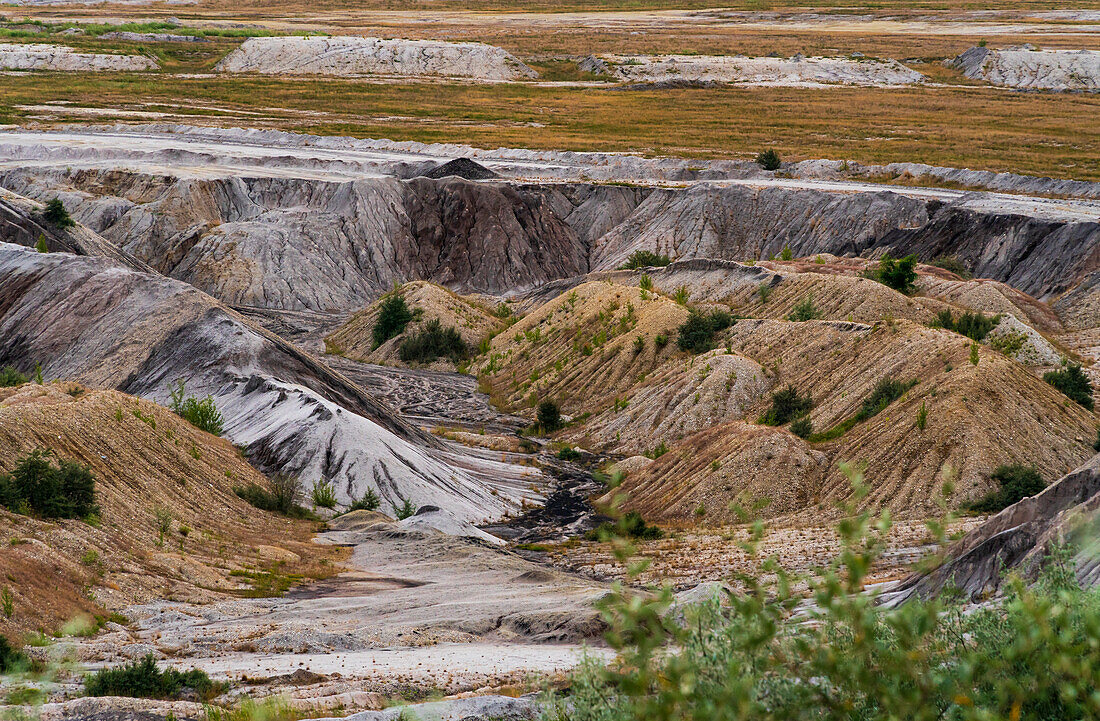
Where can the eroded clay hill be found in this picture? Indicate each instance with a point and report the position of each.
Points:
(474, 320)
(323, 242)
(94, 321)
(144, 458)
(607, 352)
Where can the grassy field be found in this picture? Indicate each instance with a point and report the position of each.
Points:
(985, 128)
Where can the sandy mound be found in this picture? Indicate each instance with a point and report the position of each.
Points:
(1028, 68)
(39, 56)
(351, 56)
(795, 71)
(470, 318)
(735, 461)
(579, 348)
(157, 459)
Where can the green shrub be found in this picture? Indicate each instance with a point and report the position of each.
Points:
(632, 525)
(324, 494)
(202, 414)
(10, 377)
(568, 454)
(660, 340)
(922, 417)
(1096, 445)
(769, 159)
(897, 273)
(282, 495)
(12, 660)
(787, 405)
(802, 427)
(786, 253)
(393, 316)
(771, 651)
(975, 326)
(55, 213)
(368, 502)
(952, 264)
(681, 295)
(432, 342)
(804, 310)
(885, 392)
(548, 416)
(405, 510)
(657, 451)
(1073, 382)
(38, 487)
(696, 334)
(142, 679)
(1016, 483)
(644, 259)
(41, 245)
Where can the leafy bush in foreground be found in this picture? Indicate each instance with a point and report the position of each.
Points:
(697, 332)
(201, 413)
(1017, 482)
(1073, 382)
(324, 494)
(761, 654)
(12, 659)
(432, 342)
(548, 416)
(645, 259)
(787, 405)
(38, 487)
(142, 679)
(393, 316)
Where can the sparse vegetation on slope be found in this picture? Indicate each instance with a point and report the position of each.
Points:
(1073, 382)
(432, 342)
(393, 316)
(696, 335)
(10, 376)
(281, 494)
(49, 489)
(787, 404)
(142, 679)
(973, 325)
(202, 413)
(645, 259)
(1016, 482)
(897, 273)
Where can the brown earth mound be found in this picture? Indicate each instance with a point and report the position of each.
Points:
(144, 457)
(471, 318)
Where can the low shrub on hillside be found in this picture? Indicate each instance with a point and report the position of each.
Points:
(10, 377)
(393, 316)
(696, 334)
(644, 259)
(324, 494)
(975, 326)
(432, 342)
(769, 159)
(787, 405)
(781, 646)
(802, 427)
(548, 417)
(55, 213)
(283, 494)
(405, 510)
(1073, 382)
(885, 392)
(804, 310)
(39, 487)
(368, 502)
(1016, 483)
(897, 273)
(142, 679)
(202, 413)
(569, 454)
(952, 264)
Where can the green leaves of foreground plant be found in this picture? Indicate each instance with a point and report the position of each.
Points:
(770, 652)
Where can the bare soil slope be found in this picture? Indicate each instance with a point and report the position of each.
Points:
(143, 457)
